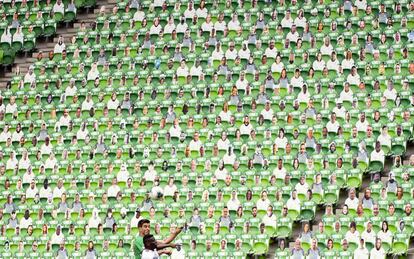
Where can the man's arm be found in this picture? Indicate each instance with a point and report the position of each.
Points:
(169, 239)
(161, 245)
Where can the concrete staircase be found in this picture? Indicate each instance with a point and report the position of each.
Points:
(46, 45)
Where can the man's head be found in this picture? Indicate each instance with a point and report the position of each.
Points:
(297, 244)
(352, 194)
(345, 245)
(144, 227)
(378, 243)
(361, 243)
(314, 244)
(375, 209)
(407, 209)
(149, 242)
(225, 212)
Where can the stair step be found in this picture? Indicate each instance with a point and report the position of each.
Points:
(108, 8)
(66, 37)
(77, 25)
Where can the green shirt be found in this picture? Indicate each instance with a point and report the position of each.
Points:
(138, 246)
